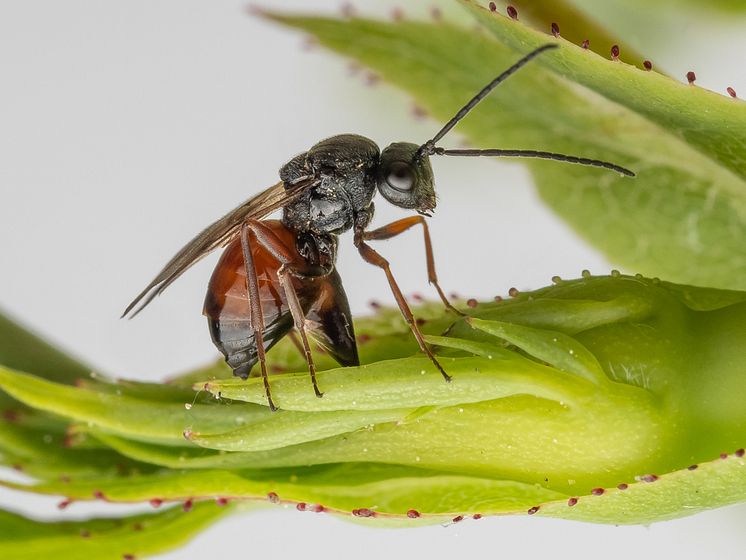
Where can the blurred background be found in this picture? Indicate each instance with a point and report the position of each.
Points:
(126, 127)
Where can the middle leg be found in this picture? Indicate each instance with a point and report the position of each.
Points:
(400, 226)
(373, 257)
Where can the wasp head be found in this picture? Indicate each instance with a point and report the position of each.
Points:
(405, 177)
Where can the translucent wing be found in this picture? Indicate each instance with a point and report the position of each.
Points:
(217, 235)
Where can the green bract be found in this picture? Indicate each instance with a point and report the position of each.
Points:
(602, 391)
(103, 539)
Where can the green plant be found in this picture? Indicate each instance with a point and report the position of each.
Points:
(607, 399)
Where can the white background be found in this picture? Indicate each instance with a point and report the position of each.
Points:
(125, 127)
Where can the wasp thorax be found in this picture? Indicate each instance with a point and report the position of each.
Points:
(405, 177)
(329, 213)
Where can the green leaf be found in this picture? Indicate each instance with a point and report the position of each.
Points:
(33, 441)
(281, 430)
(555, 348)
(712, 124)
(135, 536)
(574, 24)
(118, 412)
(687, 145)
(408, 383)
(583, 385)
(47, 454)
(695, 5)
(23, 350)
(393, 493)
(341, 489)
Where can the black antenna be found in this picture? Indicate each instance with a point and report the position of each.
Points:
(429, 147)
(535, 154)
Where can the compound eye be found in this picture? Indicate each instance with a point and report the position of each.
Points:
(400, 176)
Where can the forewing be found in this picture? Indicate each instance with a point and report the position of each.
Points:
(217, 235)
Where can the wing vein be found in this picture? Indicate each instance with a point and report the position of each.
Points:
(216, 235)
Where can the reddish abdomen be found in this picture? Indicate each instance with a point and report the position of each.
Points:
(227, 304)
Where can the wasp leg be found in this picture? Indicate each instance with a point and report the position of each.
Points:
(256, 317)
(279, 251)
(371, 256)
(300, 321)
(400, 226)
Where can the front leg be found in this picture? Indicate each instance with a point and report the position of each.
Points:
(400, 226)
(371, 256)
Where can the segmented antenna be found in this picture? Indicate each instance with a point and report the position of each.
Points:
(429, 148)
(536, 154)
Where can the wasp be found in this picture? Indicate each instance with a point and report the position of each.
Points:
(276, 275)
